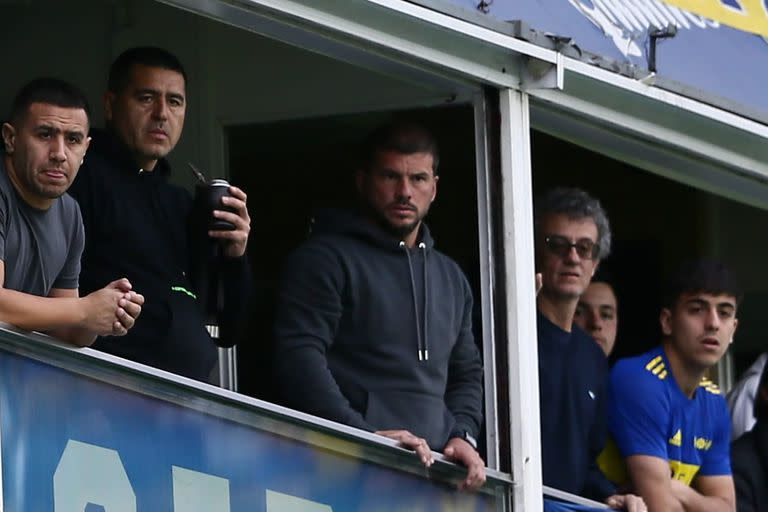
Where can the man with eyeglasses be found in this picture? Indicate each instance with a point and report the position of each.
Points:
(572, 236)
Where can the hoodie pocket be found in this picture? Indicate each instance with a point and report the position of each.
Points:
(423, 415)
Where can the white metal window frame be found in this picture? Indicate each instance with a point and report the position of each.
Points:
(656, 130)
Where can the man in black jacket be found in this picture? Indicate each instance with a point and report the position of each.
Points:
(137, 226)
(373, 324)
(749, 457)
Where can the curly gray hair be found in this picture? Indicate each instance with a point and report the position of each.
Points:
(575, 203)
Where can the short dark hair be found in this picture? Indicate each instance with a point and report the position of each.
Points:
(761, 403)
(576, 204)
(150, 56)
(402, 136)
(50, 91)
(701, 276)
(606, 276)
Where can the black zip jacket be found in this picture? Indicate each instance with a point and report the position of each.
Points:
(378, 336)
(749, 459)
(137, 226)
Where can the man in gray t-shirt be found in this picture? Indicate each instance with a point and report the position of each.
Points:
(40, 248)
(41, 231)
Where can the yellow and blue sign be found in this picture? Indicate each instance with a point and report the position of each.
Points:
(719, 54)
(746, 15)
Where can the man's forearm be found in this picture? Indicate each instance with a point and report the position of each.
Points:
(33, 313)
(693, 501)
(75, 335)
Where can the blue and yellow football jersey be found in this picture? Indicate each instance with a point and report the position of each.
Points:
(648, 414)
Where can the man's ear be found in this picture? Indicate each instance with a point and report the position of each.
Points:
(109, 100)
(665, 320)
(87, 145)
(594, 269)
(9, 138)
(434, 192)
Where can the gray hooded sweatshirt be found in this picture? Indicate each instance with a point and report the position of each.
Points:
(378, 336)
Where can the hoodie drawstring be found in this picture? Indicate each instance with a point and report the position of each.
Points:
(421, 339)
(423, 248)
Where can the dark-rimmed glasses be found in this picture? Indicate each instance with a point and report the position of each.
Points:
(561, 246)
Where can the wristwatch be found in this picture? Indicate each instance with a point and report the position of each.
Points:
(466, 436)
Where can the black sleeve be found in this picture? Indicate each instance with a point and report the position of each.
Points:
(309, 308)
(81, 191)
(237, 287)
(597, 485)
(464, 392)
(742, 462)
(224, 285)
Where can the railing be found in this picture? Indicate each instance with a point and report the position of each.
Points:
(556, 500)
(83, 431)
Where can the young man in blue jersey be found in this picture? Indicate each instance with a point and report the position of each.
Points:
(669, 423)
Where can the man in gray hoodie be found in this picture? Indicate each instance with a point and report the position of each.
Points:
(373, 324)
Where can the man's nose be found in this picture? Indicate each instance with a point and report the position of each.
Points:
(160, 110)
(572, 255)
(57, 149)
(404, 188)
(595, 322)
(713, 319)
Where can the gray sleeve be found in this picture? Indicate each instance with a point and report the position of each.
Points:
(69, 276)
(464, 392)
(3, 222)
(741, 399)
(309, 308)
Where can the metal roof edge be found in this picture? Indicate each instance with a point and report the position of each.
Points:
(521, 30)
(693, 92)
(464, 14)
(426, 39)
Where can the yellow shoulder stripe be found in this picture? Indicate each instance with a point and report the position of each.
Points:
(709, 386)
(656, 366)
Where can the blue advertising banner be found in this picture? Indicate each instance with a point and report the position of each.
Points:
(76, 444)
(709, 59)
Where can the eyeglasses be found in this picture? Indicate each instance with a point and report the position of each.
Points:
(561, 246)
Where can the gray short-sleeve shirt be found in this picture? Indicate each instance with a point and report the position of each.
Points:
(41, 249)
